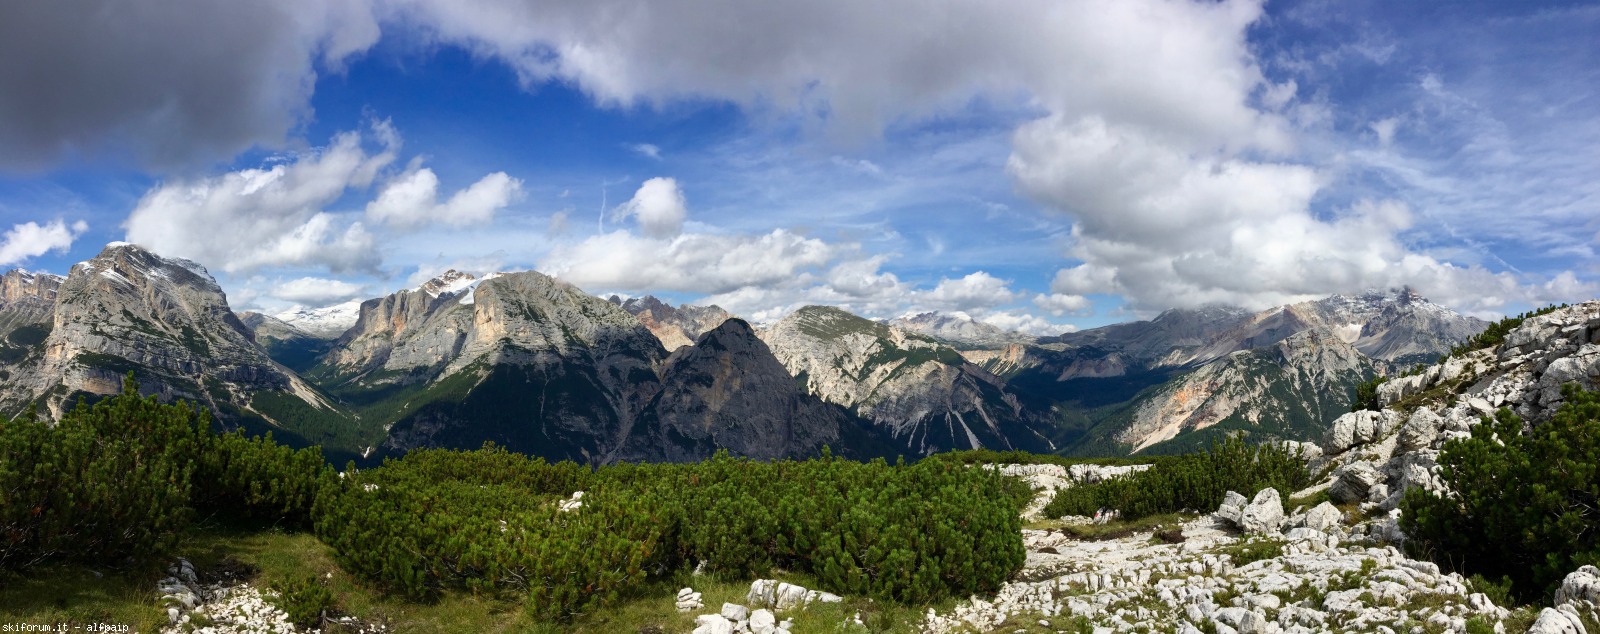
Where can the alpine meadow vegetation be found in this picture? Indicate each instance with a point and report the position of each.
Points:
(119, 481)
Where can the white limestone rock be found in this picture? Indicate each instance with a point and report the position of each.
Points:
(1555, 621)
(1232, 508)
(1264, 514)
(712, 624)
(1420, 430)
(735, 612)
(763, 622)
(1354, 482)
(1324, 517)
(1581, 589)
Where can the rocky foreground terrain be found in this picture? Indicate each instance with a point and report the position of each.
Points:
(1250, 567)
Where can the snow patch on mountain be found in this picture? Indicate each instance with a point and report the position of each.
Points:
(327, 322)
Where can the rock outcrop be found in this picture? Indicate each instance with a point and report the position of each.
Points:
(163, 319)
(1312, 573)
(675, 327)
(922, 393)
(1374, 457)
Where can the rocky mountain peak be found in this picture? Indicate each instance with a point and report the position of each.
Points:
(960, 329)
(327, 322)
(674, 327)
(450, 281)
(165, 319)
(727, 390)
(921, 392)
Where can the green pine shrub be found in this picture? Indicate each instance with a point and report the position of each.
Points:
(109, 483)
(1523, 505)
(256, 478)
(904, 533)
(1367, 395)
(1193, 482)
(1495, 333)
(115, 482)
(307, 600)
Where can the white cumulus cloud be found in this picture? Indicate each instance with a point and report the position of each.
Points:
(411, 200)
(316, 292)
(270, 216)
(31, 239)
(686, 263)
(658, 207)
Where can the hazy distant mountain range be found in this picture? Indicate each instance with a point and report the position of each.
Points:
(537, 365)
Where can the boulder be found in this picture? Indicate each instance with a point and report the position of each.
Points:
(712, 624)
(1354, 482)
(1581, 588)
(1359, 428)
(735, 612)
(1324, 517)
(788, 596)
(1232, 508)
(762, 591)
(1553, 621)
(763, 622)
(1420, 430)
(1264, 514)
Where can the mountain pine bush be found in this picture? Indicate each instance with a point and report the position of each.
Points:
(1195, 482)
(108, 483)
(906, 533)
(115, 482)
(1523, 505)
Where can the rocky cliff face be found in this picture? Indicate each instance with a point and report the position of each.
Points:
(519, 358)
(674, 327)
(1287, 371)
(959, 330)
(165, 320)
(1291, 390)
(27, 301)
(728, 391)
(922, 393)
(1375, 456)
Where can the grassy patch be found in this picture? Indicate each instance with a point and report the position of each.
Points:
(76, 595)
(276, 558)
(1114, 529)
(1244, 553)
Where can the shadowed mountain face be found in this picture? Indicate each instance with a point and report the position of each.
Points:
(728, 391)
(284, 342)
(521, 359)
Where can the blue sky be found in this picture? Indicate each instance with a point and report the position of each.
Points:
(1041, 165)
